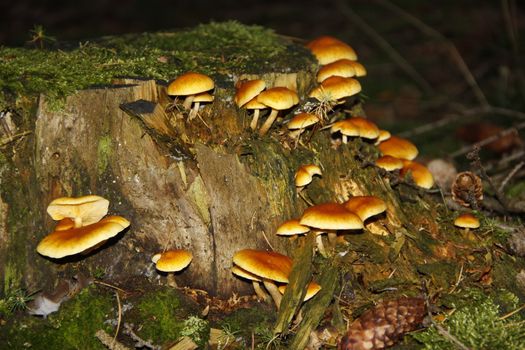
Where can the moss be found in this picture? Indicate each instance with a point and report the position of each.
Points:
(197, 329)
(162, 315)
(72, 327)
(477, 324)
(443, 274)
(103, 153)
(215, 48)
(242, 322)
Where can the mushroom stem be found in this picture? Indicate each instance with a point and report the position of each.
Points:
(320, 244)
(345, 139)
(188, 101)
(194, 110)
(274, 292)
(78, 221)
(332, 238)
(171, 280)
(268, 122)
(255, 119)
(260, 292)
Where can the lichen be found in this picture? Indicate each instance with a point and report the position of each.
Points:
(103, 153)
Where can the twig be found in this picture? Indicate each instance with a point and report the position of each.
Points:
(139, 342)
(119, 316)
(510, 175)
(346, 10)
(10, 139)
(267, 241)
(108, 342)
(486, 141)
(431, 32)
(110, 286)
(512, 313)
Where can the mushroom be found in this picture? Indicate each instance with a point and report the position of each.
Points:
(83, 210)
(383, 136)
(197, 100)
(278, 99)
(247, 91)
(69, 240)
(172, 261)
(398, 147)
(466, 221)
(329, 217)
(328, 49)
(189, 85)
(311, 290)
(346, 128)
(236, 270)
(341, 68)
(389, 163)
(336, 88)
(271, 267)
(300, 122)
(420, 174)
(256, 107)
(304, 175)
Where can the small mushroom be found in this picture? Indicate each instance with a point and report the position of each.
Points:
(420, 174)
(398, 147)
(236, 270)
(365, 206)
(189, 85)
(172, 261)
(278, 99)
(389, 163)
(83, 210)
(247, 92)
(271, 267)
(328, 49)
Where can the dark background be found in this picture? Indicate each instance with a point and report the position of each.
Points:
(487, 35)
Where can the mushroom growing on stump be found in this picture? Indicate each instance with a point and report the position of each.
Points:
(329, 217)
(365, 206)
(189, 85)
(247, 91)
(466, 221)
(300, 122)
(311, 290)
(236, 270)
(398, 147)
(303, 177)
(172, 261)
(278, 99)
(83, 210)
(256, 107)
(389, 163)
(197, 100)
(420, 174)
(328, 49)
(271, 267)
(69, 240)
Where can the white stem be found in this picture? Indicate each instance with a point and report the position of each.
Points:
(345, 139)
(188, 101)
(268, 122)
(320, 245)
(274, 292)
(332, 238)
(171, 280)
(255, 119)
(78, 222)
(260, 292)
(194, 110)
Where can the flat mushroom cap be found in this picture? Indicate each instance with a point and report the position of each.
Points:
(331, 216)
(278, 98)
(341, 68)
(311, 290)
(329, 53)
(360, 70)
(323, 41)
(172, 260)
(398, 147)
(236, 270)
(365, 206)
(72, 241)
(420, 174)
(190, 84)
(254, 104)
(466, 221)
(248, 90)
(291, 227)
(203, 97)
(89, 209)
(389, 163)
(269, 265)
(302, 120)
(335, 88)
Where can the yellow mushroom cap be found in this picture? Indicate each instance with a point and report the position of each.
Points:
(172, 260)
(190, 83)
(345, 127)
(72, 241)
(312, 289)
(305, 173)
(335, 88)
(331, 216)
(89, 209)
(203, 97)
(365, 206)
(466, 220)
(360, 70)
(323, 41)
(327, 52)
(291, 227)
(341, 68)
(398, 147)
(278, 98)
(420, 174)
(302, 120)
(254, 104)
(248, 90)
(389, 163)
(268, 265)
(367, 129)
(383, 136)
(236, 270)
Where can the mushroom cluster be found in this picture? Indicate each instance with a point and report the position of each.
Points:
(195, 88)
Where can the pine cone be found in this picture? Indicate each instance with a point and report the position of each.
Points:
(385, 324)
(467, 190)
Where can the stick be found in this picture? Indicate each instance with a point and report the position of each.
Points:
(346, 10)
(119, 316)
(510, 176)
(139, 342)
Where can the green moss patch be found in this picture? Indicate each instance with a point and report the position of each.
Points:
(73, 327)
